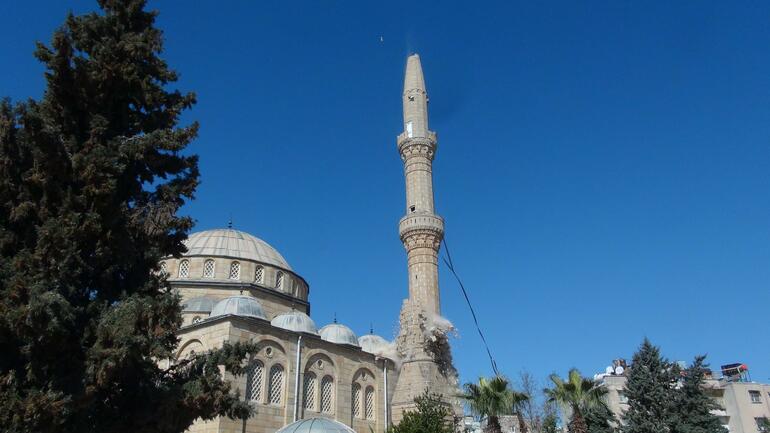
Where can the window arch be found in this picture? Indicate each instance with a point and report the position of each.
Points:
(235, 271)
(327, 394)
(309, 390)
(163, 272)
(255, 378)
(279, 280)
(369, 403)
(208, 269)
(184, 269)
(276, 384)
(356, 400)
(259, 274)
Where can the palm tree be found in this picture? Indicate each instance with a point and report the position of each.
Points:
(578, 393)
(519, 399)
(491, 398)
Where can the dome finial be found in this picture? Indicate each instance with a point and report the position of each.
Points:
(371, 328)
(335, 317)
(230, 222)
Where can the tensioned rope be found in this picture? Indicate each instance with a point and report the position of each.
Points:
(448, 261)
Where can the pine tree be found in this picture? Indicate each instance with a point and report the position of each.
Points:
(650, 391)
(601, 420)
(693, 406)
(432, 416)
(91, 179)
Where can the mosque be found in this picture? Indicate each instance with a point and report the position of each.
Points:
(236, 287)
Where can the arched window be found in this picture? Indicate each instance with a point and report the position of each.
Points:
(196, 319)
(356, 400)
(276, 384)
(259, 274)
(254, 380)
(309, 390)
(208, 269)
(184, 269)
(327, 394)
(369, 403)
(163, 270)
(235, 271)
(279, 280)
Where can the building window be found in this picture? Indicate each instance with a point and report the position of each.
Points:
(756, 397)
(276, 384)
(235, 271)
(254, 380)
(309, 390)
(356, 400)
(327, 394)
(259, 274)
(622, 397)
(163, 270)
(762, 423)
(294, 287)
(279, 280)
(196, 319)
(208, 269)
(369, 403)
(184, 269)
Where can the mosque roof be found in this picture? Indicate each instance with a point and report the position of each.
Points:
(233, 243)
(295, 321)
(338, 333)
(316, 425)
(373, 344)
(239, 306)
(198, 304)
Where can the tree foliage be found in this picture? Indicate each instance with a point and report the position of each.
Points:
(432, 416)
(650, 389)
(600, 420)
(581, 395)
(693, 406)
(91, 179)
(492, 398)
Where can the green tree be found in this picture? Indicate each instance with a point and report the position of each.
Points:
(601, 420)
(550, 423)
(693, 406)
(91, 179)
(579, 394)
(650, 391)
(491, 398)
(432, 416)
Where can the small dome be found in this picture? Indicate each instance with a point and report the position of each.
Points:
(234, 244)
(316, 425)
(338, 333)
(373, 344)
(239, 306)
(200, 304)
(295, 321)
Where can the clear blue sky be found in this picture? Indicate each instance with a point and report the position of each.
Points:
(603, 167)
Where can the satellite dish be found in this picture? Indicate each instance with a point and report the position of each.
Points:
(619, 370)
(608, 370)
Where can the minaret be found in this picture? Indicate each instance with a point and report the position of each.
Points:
(423, 347)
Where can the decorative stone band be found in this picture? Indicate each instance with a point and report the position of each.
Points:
(421, 231)
(417, 146)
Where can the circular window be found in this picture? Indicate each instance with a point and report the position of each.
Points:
(269, 352)
(320, 364)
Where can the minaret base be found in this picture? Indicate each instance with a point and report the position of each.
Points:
(426, 361)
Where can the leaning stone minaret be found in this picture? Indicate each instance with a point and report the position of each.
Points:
(422, 341)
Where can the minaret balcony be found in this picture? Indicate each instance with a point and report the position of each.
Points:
(404, 137)
(421, 222)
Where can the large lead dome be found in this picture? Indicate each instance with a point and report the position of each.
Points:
(235, 244)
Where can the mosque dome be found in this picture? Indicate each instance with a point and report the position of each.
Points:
(295, 321)
(316, 425)
(239, 306)
(200, 304)
(373, 344)
(235, 244)
(338, 333)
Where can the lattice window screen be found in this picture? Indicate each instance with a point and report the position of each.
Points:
(184, 269)
(369, 403)
(208, 269)
(163, 269)
(254, 380)
(309, 390)
(276, 384)
(356, 400)
(259, 274)
(235, 271)
(279, 280)
(327, 394)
